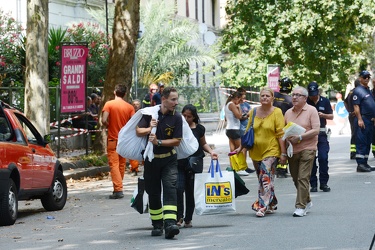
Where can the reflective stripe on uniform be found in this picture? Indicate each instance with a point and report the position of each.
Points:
(170, 208)
(361, 156)
(282, 166)
(170, 212)
(170, 216)
(156, 214)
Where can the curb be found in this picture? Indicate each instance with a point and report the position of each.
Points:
(81, 169)
(78, 173)
(74, 165)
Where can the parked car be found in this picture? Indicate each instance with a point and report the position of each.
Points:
(29, 168)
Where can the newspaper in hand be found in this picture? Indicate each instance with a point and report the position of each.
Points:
(292, 129)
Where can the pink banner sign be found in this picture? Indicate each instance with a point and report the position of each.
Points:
(273, 77)
(73, 78)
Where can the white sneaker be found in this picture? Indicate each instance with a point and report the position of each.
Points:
(243, 173)
(300, 212)
(308, 207)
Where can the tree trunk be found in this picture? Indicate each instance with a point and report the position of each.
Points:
(36, 82)
(120, 64)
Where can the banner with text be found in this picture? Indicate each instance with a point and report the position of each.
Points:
(273, 76)
(73, 78)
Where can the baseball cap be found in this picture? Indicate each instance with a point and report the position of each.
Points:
(364, 73)
(313, 89)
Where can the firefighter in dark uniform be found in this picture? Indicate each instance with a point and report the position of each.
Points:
(364, 109)
(349, 107)
(324, 108)
(148, 97)
(162, 170)
(283, 101)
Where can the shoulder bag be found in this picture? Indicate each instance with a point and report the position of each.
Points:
(195, 164)
(247, 140)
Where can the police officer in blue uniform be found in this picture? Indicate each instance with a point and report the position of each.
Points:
(349, 107)
(364, 109)
(325, 112)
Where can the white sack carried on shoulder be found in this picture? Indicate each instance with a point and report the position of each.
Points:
(189, 144)
(130, 145)
(153, 111)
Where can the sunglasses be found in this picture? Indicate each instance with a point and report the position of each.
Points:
(366, 77)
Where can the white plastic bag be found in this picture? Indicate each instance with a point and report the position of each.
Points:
(289, 150)
(130, 146)
(214, 192)
(189, 144)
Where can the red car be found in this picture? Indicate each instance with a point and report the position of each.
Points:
(29, 168)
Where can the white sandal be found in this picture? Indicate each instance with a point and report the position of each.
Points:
(259, 213)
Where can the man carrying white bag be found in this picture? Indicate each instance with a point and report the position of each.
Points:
(214, 192)
(169, 138)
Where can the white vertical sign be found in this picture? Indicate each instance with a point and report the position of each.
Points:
(273, 76)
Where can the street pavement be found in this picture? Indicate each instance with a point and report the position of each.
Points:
(340, 219)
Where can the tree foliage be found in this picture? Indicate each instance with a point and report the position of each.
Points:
(321, 40)
(168, 45)
(10, 54)
(55, 37)
(94, 36)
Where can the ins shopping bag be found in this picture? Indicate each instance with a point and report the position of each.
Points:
(139, 200)
(214, 191)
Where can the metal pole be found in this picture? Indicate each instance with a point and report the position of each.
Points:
(58, 89)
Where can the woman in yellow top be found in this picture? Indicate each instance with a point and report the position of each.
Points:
(267, 151)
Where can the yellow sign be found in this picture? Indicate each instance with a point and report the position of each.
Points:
(218, 193)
